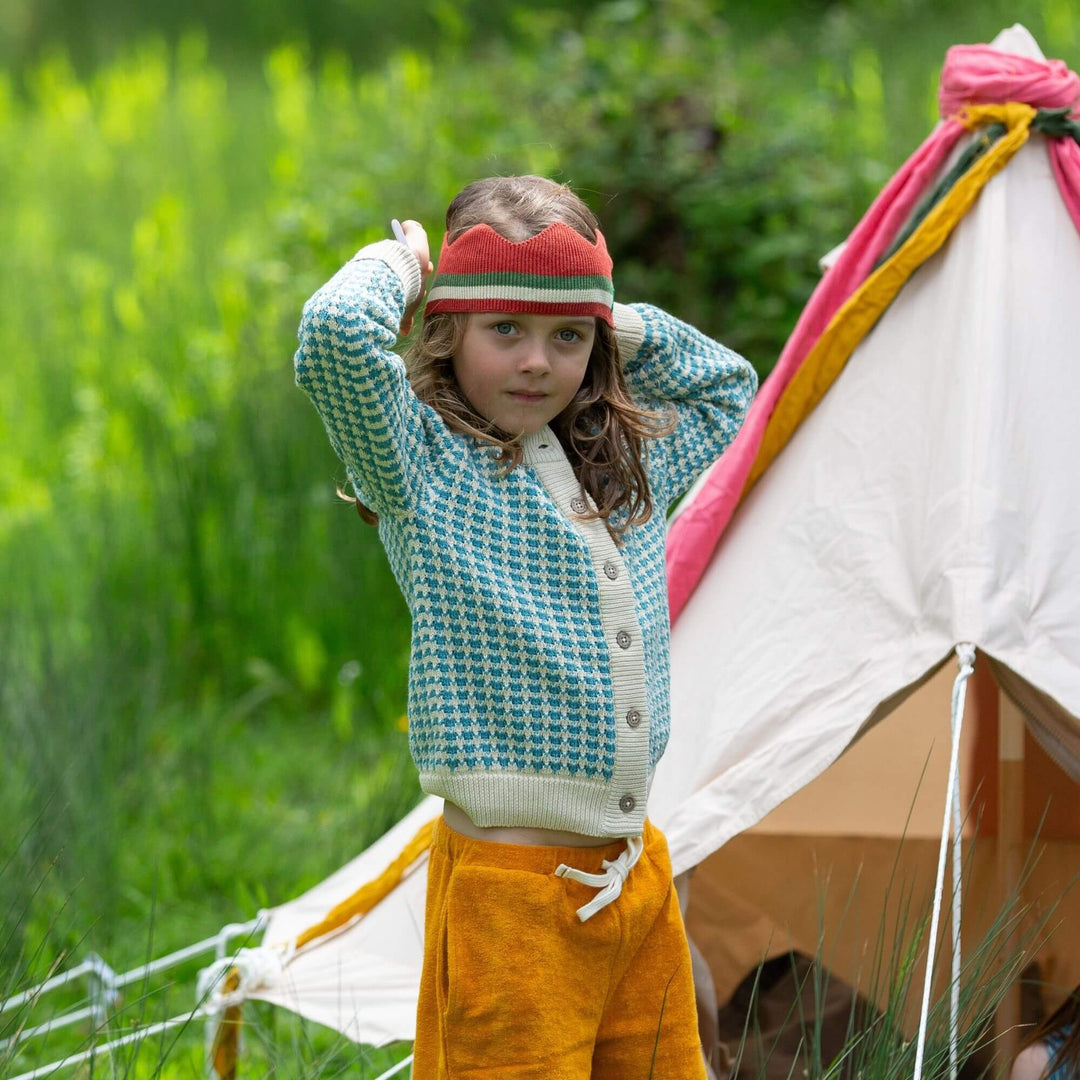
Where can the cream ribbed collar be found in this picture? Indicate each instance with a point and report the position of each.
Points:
(542, 445)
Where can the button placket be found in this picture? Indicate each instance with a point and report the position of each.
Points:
(627, 789)
(633, 716)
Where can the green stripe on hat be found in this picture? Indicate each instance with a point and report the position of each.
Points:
(516, 293)
(526, 281)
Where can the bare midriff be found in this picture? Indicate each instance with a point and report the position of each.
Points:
(460, 822)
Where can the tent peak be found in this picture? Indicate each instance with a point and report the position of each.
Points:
(1017, 39)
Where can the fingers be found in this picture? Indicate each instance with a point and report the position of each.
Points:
(417, 239)
(415, 234)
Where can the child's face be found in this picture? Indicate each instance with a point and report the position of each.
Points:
(501, 354)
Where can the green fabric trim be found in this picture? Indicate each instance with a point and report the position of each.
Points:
(1057, 124)
(975, 150)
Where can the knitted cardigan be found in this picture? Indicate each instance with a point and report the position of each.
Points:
(539, 672)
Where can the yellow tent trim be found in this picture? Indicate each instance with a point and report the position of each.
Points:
(369, 894)
(864, 307)
(225, 1050)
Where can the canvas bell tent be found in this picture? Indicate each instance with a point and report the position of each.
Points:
(902, 485)
(905, 484)
(923, 498)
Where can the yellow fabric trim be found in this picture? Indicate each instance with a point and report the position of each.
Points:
(1013, 114)
(225, 1047)
(864, 307)
(223, 1054)
(369, 894)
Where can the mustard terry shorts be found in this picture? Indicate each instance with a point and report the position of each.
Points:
(515, 986)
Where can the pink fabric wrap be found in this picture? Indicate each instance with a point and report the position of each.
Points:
(1065, 159)
(979, 75)
(972, 73)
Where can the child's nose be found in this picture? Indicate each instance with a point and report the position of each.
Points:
(534, 356)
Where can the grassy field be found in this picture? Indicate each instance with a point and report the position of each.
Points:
(203, 655)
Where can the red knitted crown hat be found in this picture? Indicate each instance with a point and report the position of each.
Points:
(556, 272)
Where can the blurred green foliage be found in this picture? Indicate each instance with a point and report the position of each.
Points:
(203, 655)
(94, 33)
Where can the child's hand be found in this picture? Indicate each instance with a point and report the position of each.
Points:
(417, 240)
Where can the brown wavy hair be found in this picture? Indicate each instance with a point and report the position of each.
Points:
(603, 432)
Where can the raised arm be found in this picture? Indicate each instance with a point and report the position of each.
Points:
(346, 365)
(668, 362)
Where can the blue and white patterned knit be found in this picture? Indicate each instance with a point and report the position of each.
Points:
(1058, 1070)
(539, 672)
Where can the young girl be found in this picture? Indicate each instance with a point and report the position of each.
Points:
(519, 468)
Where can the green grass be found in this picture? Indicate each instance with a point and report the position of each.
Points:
(203, 655)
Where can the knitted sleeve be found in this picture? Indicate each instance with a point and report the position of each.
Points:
(357, 383)
(668, 362)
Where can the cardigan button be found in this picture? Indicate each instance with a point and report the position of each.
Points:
(633, 718)
(577, 504)
(611, 570)
(627, 803)
(623, 638)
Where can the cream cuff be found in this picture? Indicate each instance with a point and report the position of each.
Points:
(401, 260)
(630, 328)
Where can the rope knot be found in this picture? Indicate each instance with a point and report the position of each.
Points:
(965, 654)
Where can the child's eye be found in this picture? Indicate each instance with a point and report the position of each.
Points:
(504, 328)
(569, 335)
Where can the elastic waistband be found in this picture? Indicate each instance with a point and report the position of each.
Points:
(538, 858)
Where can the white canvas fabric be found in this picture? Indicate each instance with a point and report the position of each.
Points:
(930, 498)
(363, 980)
